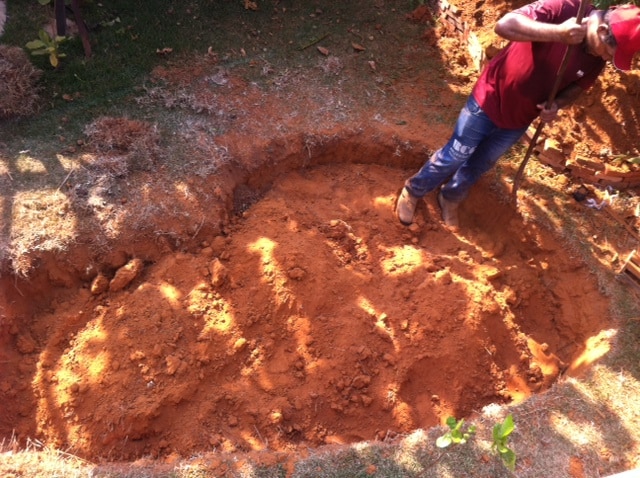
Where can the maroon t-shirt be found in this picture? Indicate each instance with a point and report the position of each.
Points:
(522, 75)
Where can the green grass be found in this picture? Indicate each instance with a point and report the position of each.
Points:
(126, 37)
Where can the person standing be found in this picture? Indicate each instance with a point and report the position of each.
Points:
(513, 90)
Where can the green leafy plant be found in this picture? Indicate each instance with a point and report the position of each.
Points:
(456, 434)
(501, 432)
(626, 158)
(47, 45)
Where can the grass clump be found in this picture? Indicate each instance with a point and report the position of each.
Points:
(19, 89)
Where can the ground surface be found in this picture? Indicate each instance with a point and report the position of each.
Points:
(276, 302)
(316, 319)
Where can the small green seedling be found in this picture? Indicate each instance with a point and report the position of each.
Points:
(47, 45)
(501, 432)
(456, 433)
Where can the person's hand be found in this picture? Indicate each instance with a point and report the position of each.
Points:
(550, 114)
(572, 32)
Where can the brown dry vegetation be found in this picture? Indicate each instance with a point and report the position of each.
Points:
(18, 83)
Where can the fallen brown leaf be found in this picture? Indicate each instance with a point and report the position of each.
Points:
(358, 47)
(249, 5)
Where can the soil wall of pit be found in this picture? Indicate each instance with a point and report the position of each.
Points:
(300, 312)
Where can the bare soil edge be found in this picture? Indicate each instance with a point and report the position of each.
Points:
(235, 185)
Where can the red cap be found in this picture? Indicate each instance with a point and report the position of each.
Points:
(624, 21)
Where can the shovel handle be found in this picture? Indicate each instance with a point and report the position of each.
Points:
(565, 60)
(552, 96)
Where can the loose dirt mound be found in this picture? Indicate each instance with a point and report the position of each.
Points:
(315, 318)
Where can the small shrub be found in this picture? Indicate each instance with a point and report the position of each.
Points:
(49, 45)
(501, 432)
(456, 434)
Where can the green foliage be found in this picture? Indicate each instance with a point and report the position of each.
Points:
(47, 45)
(626, 158)
(501, 432)
(456, 434)
(605, 4)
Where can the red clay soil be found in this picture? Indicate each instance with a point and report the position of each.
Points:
(311, 317)
(315, 318)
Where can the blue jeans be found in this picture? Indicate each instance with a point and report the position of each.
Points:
(473, 149)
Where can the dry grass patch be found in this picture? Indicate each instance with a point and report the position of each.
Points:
(19, 90)
(51, 227)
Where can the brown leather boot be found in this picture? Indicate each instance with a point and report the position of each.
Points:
(449, 211)
(406, 207)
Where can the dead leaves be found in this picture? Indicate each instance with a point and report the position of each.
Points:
(249, 5)
(71, 97)
(356, 47)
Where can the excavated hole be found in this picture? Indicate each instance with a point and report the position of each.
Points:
(315, 318)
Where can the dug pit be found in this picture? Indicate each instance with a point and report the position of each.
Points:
(314, 317)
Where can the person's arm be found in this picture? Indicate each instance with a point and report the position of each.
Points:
(518, 27)
(568, 95)
(563, 98)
